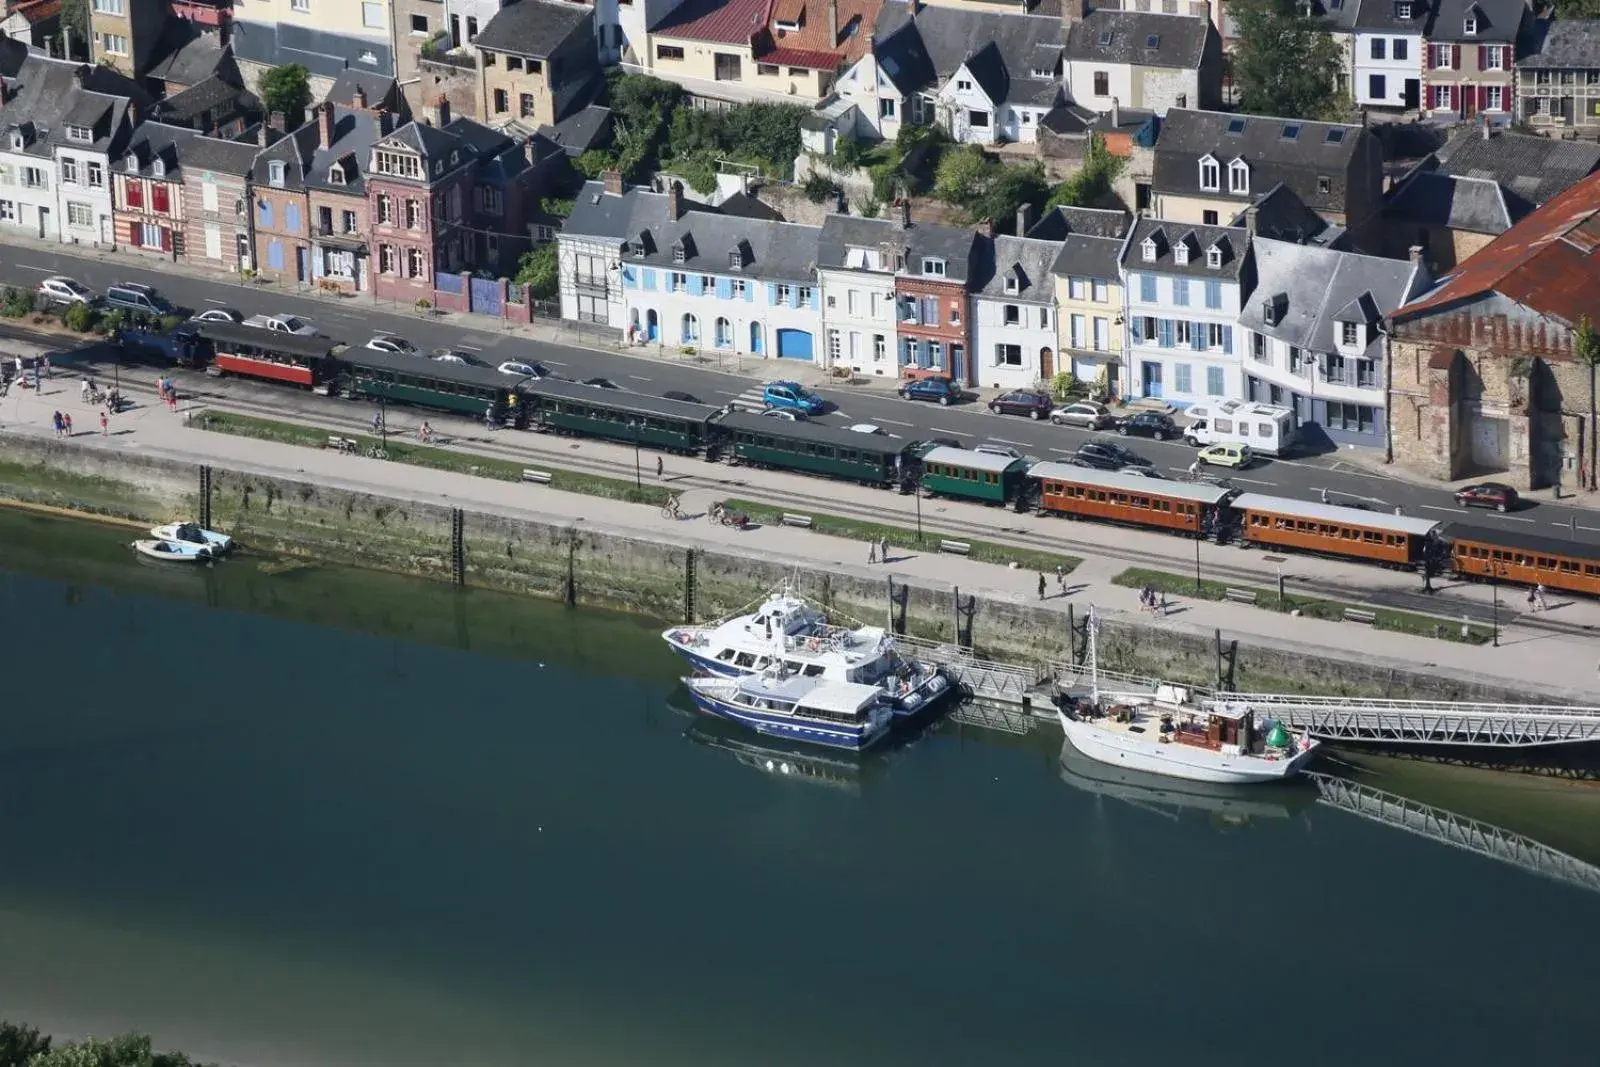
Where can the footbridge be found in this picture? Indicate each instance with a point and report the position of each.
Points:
(1504, 726)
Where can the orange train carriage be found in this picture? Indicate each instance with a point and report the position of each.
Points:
(1279, 522)
(1484, 553)
(1115, 496)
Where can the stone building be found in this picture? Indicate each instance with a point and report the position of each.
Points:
(1484, 378)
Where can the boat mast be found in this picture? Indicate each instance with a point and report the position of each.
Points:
(1093, 624)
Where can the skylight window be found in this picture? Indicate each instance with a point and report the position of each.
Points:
(1291, 132)
(1105, 38)
(1153, 41)
(1335, 136)
(1236, 125)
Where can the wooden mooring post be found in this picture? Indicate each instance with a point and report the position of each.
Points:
(204, 518)
(688, 586)
(458, 546)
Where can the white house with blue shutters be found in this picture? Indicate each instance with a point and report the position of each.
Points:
(1181, 286)
(676, 274)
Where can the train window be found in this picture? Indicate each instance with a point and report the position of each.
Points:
(1568, 567)
(1547, 563)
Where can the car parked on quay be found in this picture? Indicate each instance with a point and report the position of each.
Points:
(1084, 414)
(63, 291)
(939, 391)
(1109, 456)
(1156, 424)
(792, 396)
(1030, 402)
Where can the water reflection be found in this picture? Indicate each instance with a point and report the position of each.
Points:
(1169, 797)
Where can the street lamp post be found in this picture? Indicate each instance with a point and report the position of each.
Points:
(916, 487)
(638, 475)
(1197, 563)
(383, 421)
(1494, 584)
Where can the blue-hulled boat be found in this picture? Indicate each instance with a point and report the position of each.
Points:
(797, 708)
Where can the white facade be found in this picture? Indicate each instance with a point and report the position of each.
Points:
(1095, 84)
(881, 108)
(858, 310)
(83, 196)
(1387, 65)
(1179, 335)
(730, 312)
(1012, 338)
(27, 190)
(633, 19)
(589, 269)
(966, 112)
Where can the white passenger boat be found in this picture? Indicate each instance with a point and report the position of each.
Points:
(173, 551)
(787, 630)
(1166, 734)
(194, 534)
(797, 708)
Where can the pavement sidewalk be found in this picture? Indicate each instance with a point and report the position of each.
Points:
(1548, 666)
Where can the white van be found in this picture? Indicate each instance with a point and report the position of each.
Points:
(1266, 429)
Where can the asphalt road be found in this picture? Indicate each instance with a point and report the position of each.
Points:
(357, 319)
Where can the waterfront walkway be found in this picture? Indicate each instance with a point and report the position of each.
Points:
(1549, 665)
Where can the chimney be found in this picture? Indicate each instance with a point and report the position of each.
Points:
(1024, 219)
(1116, 114)
(277, 121)
(675, 201)
(133, 112)
(1363, 118)
(263, 135)
(1414, 254)
(905, 205)
(442, 108)
(359, 99)
(1251, 217)
(833, 23)
(986, 227)
(325, 123)
(914, 6)
(81, 76)
(612, 181)
(1487, 133)
(5, 93)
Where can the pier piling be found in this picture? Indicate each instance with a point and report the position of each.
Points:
(458, 546)
(204, 518)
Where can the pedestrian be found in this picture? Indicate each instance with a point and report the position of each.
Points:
(55, 420)
(172, 397)
(883, 549)
(1041, 585)
(36, 379)
(1061, 579)
(377, 421)
(1397, 510)
(46, 361)
(1163, 605)
(105, 425)
(1324, 496)
(660, 467)
(83, 389)
(1544, 605)
(1533, 600)
(19, 368)
(66, 422)
(872, 550)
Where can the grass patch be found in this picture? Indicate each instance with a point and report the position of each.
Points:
(899, 536)
(1405, 622)
(442, 459)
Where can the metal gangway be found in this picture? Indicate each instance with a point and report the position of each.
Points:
(983, 679)
(1426, 721)
(1457, 831)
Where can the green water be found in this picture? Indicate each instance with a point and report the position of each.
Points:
(323, 817)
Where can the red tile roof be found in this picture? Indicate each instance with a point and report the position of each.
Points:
(1549, 262)
(797, 57)
(716, 21)
(815, 36)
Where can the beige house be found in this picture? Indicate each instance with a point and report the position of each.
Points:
(1469, 58)
(536, 63)
(1088, 308)
(773, 51)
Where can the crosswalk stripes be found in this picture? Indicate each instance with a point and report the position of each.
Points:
(751, 399)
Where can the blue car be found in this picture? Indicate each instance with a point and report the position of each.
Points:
(937, 390)
(791, 396)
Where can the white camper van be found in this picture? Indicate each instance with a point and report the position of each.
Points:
(1268, 430)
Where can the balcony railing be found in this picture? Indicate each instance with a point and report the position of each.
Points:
(595, 283)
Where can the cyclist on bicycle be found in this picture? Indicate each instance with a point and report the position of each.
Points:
(670, 508)
(425, 434)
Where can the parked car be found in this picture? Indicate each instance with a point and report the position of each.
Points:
(388, 342)
(138, 299)
(937, 390)
(786, 416)
(792, 396)
(999, 450)
(218, 315)
(1227, 454)
(867, 427)
(1148, 424)
(1029, 402)
(282, 324)
(1085, 414)
(522, 370)
(1495, 495)
(1109, 456)
(59, 289)
(601, 383)
(681, 396)
(459, 359)
(930, 443)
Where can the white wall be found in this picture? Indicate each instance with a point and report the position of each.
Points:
(597, 258)
(754, 317)
(1395, 72)
(870, 319)
(1178, 361)
(956, 104)
(1035, 329)
(867, 86)
(99, 232)
(24, 203)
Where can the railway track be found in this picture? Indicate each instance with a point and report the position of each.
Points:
(1027, 532)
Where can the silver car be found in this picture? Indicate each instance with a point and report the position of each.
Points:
(1083, 414)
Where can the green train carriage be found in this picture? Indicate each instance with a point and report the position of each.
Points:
(968, 475)
(619, 415)
(398, 379)
(763, 441)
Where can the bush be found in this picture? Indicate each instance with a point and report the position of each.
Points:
(16, 302)
(984, 188)
(424, 304)
(820, 189)
(169, 323)
(869, 208)
(80, 318)
(539, 269)
(849, 152)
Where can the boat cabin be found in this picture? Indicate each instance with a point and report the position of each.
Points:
(804, 697)
(1223, 727)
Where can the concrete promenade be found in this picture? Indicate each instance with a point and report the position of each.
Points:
(1548, 665)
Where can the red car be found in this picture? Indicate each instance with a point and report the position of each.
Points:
(1495, 495)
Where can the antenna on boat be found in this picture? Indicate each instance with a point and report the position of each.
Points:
(1093, 624)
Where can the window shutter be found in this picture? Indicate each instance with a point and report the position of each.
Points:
(1455, 57)
(1483, 51)
(1197, 336)
(649, 279)
(697, 285)
(813, 298)
(1227, 340)
(724, 288)
(1427, 56)
(134, 235)
(166, 239)
(750, 294)
(1138, 328)
(794, 296)
(772, 293)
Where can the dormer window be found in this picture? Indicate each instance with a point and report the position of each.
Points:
(1239, 177)
(1271, 311)
(1469, 26)
(1210, 174)
(131, 164)
(1350, 334)
(336, 174)
(158, 168)
(17, 140)
(736, 258)
(933, 266)
(642, 245)
(1214, 257)
(81, 134)
(1402, 11)
(678, 254)
(1012, 285)
(1147, 249)
(1180, 253)
(275, 171)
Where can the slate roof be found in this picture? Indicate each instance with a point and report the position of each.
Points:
(777, 250)
(1499, 21)
(1086, 256)
(1028, 261)
(1476, 205)
(155, 146)
(381, 91)
(743, 205)
(535, 28)
(999, 47)
(188, 56)
(1546, 262)
(1089, 221)
(949, 243)
(1384, 15)
(1233, 241)
(1318, 150)
(234, 158)
(47, 95)
(716, 21)
(1180, 39)
(582, 130)
(205, 95)
(295, 151)
(1531, 168)
(1282, 215)
(1316, 288)
(354, 133)
(1565, 44)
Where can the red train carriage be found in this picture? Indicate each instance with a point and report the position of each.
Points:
(1483, 553)
(269, 355)
(1079, 492)
(1394, 540)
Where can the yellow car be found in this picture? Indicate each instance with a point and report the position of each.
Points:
(1227, 455)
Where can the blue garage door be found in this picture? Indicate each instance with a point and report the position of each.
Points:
(794, 344)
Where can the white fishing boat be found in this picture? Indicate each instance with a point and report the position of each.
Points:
(788, 631)
(1167, 734)
(192, 533)
(797, 708)
(173, 551)
(1168, 797)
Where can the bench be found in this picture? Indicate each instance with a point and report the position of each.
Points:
(537, 477)
(1242, 596)
(959, 548)
(802, 521)
(1360, 615)
(340, 443)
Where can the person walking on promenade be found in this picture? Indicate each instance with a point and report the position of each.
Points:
(1041, 585)
(660, 468)
(1533, 600)
(1163, 603)
(872, 551)
(1061, 579)
(55, 420)
(84, 389)
(883, 549)
(1538, 592)
(105, 425)
(66, 421)
(46, 361)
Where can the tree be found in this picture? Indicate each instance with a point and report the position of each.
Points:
(1285, 64)
(1092, 183)
(286, 90)
(984, 188)
(540, 269)
(19, 1044)
(75, 25)
(1586, 348)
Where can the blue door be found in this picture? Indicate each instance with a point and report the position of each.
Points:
(1151, 373)
(301, 263)
(755, 336)
(652, 325)
(275, 255)
(794, 344)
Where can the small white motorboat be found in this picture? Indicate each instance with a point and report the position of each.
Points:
(192, 533)
(174, 551)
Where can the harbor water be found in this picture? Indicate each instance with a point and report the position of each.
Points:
(300, 816)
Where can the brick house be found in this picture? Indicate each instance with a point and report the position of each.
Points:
(537, 63)
(930, 290)
(1469, 57)
(279, 211)
(1484, 378)
(216, 201)
(359, 109)
(420, 182)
